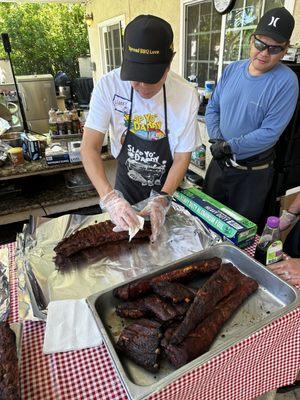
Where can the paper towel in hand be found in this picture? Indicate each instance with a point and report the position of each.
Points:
(70, 326)
(132, 231)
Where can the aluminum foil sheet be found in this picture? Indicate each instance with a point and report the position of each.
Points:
(40, 282)
(4, 284)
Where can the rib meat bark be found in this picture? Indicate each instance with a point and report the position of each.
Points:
(133, 290)
(199, 340)
(74, 249)
(218, 286)
(140, 342)
(95, 235)
(9, 377)
(152, 306)
(173, 291)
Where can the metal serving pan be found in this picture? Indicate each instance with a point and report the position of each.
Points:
(273, 299)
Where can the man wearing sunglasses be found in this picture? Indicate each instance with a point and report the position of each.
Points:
(250, 108)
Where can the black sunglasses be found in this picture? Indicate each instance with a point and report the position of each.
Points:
(261, 46)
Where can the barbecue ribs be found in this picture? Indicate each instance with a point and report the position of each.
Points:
(199, 340)
(140, 342)
(152, 306)
(131, 291)
(93, 236)
(173, 291)
(9, 377)
(219, 285)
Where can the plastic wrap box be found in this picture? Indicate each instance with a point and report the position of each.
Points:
(221, 219)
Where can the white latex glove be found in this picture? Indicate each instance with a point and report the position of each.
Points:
(287, 219)
(157, 208)
(120, 211)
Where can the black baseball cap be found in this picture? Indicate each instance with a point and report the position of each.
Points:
(277, 24)
(148, 49)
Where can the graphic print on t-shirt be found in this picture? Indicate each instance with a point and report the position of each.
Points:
(146, 126)
(144, 166)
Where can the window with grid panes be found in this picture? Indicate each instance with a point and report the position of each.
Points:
(240, 24)
(112, 46)
(202, 42)
(203, 33)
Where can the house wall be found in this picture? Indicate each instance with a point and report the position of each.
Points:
(168, 9)
(296, 34)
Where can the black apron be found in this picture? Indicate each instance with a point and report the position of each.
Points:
(143, 165)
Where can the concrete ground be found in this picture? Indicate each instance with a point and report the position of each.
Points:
(292, 395)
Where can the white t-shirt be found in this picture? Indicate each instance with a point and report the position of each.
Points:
(110, 106)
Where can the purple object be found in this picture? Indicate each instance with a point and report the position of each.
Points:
(273, 222)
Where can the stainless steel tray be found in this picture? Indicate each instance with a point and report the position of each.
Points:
(273, 299)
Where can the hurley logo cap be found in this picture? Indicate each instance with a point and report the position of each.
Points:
(148, 49)
(277, 24)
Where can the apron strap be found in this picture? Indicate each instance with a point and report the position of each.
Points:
(130, 112)
(165, 110)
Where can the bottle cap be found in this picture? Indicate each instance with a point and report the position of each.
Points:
(273, 222)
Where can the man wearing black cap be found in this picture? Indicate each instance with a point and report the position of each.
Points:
(152, 113)
(250, 108)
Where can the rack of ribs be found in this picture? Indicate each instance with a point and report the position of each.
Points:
(218, 286)
(9, 377)
(152, 306)
(92, 236)
(140, 342)
(200, 339)
(131, 291)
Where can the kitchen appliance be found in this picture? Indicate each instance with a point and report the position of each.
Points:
(38, 97)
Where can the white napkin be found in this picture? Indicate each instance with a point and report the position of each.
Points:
(70, 326)
(133, 231)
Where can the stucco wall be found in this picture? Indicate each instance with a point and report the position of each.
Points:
(296, 34)
(103, 10)
(167, 9)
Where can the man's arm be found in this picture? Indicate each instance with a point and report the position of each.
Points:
(177, 172)
(212, 112)
(91, 145)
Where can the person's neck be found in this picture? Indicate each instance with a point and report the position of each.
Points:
(253, 71)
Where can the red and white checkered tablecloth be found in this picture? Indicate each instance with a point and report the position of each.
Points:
(268, 359)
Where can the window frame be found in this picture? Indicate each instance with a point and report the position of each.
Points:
(102, 26)
(289, 5)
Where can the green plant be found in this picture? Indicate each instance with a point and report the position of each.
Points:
(45, 38)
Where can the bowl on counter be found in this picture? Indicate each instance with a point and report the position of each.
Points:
(13, 139)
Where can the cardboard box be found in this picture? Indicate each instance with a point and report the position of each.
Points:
(31, 147)
(221, 219)
(56, 154)
(74, 151)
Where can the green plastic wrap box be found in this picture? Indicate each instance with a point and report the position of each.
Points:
(221, 219)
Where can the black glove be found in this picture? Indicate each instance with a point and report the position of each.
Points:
(220, 149)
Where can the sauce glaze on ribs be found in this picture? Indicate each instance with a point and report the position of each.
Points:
(140, 342)
(9, 377)
(200, 339)
(174, 291)
(219, 285)
(92, 236)
(151, 306)
(133, 290)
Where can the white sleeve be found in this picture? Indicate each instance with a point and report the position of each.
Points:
(99, 114)
(190, 138)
